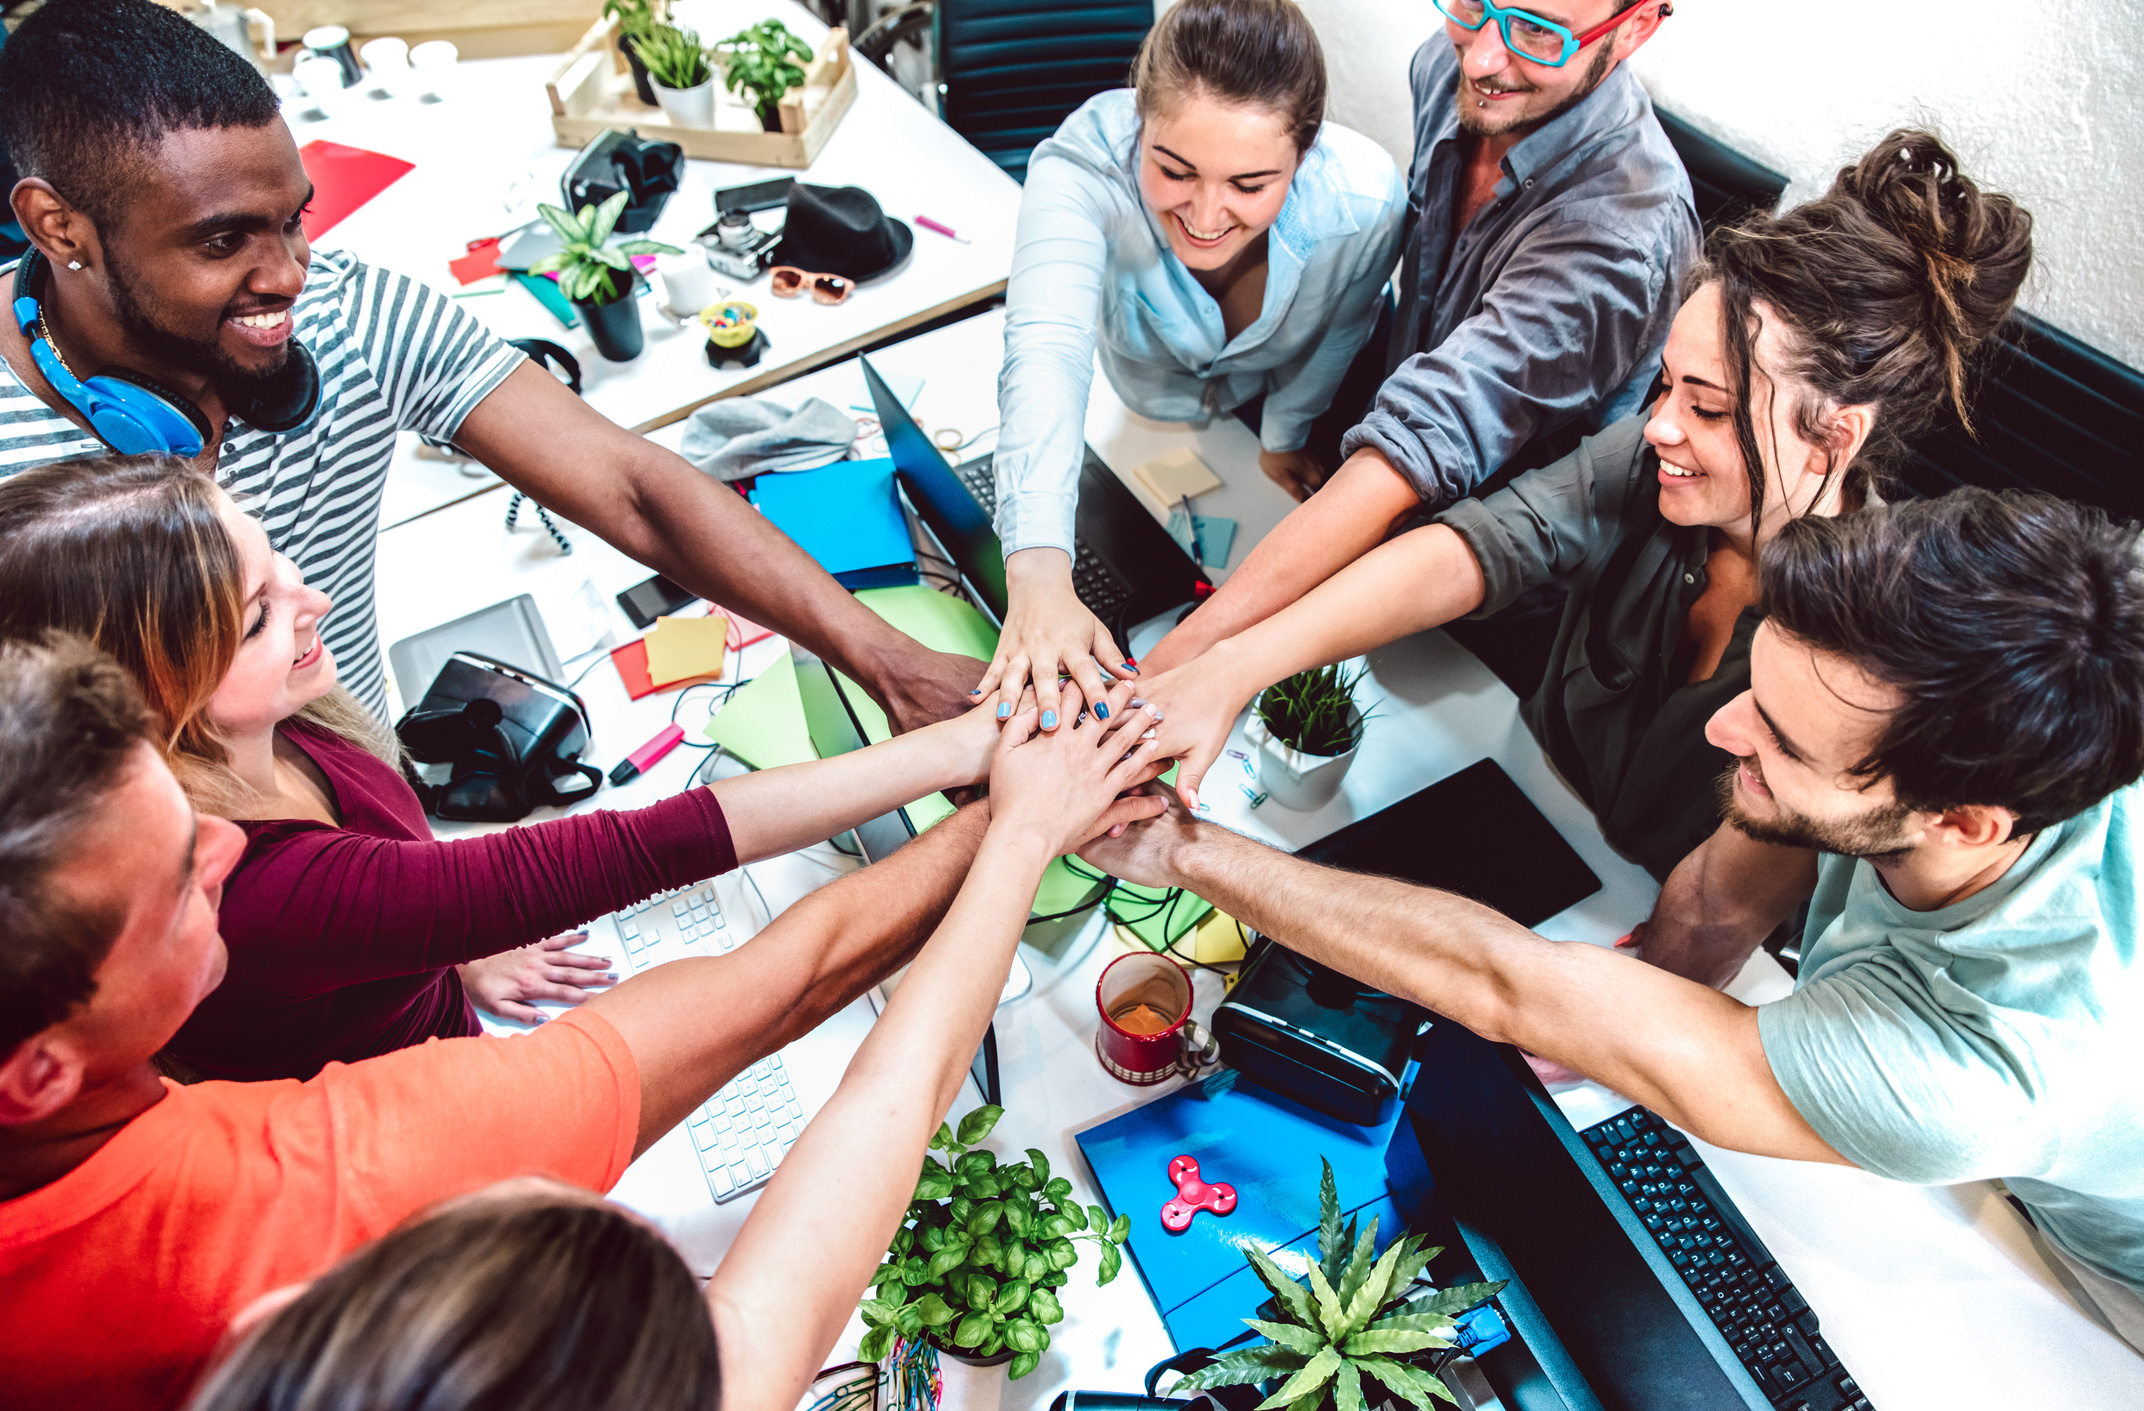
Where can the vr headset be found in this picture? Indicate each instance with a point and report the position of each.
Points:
(625, 161)
(510, 742)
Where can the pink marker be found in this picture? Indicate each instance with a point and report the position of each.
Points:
(946, 230)
(644, 758)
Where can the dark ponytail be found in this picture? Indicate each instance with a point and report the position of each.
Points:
(1885, 289)
(1252, 53)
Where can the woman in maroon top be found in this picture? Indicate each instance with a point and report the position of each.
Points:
(351, 931)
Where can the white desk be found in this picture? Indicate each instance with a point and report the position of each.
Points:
(1932, 1296)
(485, 156)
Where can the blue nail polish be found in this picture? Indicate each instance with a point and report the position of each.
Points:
(976, 692)
(1004, 709)
(1049, 720)
(1132, 667)
(1135, 702)
(1101, 711)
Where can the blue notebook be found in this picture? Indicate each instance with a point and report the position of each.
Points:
(846, 515)
(1267, 1147)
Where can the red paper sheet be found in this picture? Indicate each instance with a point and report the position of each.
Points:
(344, 178)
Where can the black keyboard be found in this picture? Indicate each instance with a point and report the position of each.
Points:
(1097, 584)
(1741, 1287)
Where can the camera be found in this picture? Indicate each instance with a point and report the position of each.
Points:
(737, 247)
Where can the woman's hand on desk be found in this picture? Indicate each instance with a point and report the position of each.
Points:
(1049, 633)
(1297, 472)
(508, 984)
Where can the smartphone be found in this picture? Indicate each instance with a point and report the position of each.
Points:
(760, 196)
(658, 597)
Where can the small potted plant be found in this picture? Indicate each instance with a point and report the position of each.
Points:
(677, 67)
(765, 61)
(635, 18)
(597, 277)
(975, 1268)
(1355, 1332)
(1306, 730)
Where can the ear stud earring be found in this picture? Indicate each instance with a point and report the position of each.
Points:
(74, 264)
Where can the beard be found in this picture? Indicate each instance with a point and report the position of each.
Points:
(1470, 120)
(234, 382)
(1874, 835)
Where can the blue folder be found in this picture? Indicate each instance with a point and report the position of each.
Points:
(1267, 1147)
(847, 516)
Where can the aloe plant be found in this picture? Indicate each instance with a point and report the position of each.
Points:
(977, 1264)
(588, 270)
(1351, 1324)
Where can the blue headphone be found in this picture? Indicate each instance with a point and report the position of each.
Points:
(136, 415)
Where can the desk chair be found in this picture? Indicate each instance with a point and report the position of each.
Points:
(1727, 184)
(1010, 71)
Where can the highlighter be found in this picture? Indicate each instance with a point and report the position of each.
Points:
(644, 758)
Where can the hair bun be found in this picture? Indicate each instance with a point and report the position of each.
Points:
(1973, 246)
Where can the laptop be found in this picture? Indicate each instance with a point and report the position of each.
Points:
(1125, 567)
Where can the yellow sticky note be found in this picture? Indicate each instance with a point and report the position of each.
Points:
(1176, 476)
(681, 647)
(1217, 941)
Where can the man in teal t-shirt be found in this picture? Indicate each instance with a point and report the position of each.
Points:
(1947, 700)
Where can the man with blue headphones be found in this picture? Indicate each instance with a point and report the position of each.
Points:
(171, 303)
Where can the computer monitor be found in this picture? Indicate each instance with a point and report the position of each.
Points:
(835, 730)
(961, 525)
(1603, 1319)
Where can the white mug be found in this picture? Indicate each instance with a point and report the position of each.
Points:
(434, 62)
(388, 60)
(321, 78)
(689, 283)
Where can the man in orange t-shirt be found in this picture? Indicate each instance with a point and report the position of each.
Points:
(137, 1216)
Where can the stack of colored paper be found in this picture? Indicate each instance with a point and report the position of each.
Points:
(678, 651)
(848, 517)
(1176, 477)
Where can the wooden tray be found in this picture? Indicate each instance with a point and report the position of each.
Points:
(593, 91)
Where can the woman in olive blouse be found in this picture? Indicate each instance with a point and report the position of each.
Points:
(1814, 346)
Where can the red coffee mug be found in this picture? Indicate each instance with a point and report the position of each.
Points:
(1147, 1034)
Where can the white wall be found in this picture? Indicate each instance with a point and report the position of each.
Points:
(2046, 104)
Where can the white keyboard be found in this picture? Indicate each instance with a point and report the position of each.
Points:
(691, 919)
(742, 1132)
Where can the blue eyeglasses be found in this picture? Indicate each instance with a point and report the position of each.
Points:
(1532, 38)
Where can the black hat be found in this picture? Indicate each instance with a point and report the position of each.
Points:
(841, 230)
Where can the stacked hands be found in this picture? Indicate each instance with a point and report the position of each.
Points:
(1066, 787)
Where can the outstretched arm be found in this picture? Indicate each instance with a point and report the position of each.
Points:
(1422, 579)
(787, 1286)
(1720, 903)
(1688, 1052)
(656, 508)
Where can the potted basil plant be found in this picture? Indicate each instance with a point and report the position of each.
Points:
(975, 1268)
(1306, 730)
(677, 67)
(1355, 1331)
(599, 278)
(765, 61)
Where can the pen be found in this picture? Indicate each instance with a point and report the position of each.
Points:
(645, 757)
(946, 230)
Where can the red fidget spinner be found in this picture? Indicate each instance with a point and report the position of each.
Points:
(1193, 1195)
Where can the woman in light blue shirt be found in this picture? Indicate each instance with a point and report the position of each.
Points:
(1216, 240)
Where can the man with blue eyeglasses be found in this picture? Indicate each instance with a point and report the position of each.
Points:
(1549, 228)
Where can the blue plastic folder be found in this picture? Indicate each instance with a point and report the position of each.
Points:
(848, 517)
(1264, 1145)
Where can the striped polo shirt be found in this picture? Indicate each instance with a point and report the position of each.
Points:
(394, 355)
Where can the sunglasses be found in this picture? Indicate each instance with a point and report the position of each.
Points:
(1529, 36)
(789, 282)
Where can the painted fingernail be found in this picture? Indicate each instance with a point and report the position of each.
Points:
(1133, 665)
(976, 692)
(1101, 711)
(1135, 702)
(1004, 709)
(1049, 720)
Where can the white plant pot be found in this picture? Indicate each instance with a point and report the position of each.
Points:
(969, 1385)
(1294, 779)
(687, 107)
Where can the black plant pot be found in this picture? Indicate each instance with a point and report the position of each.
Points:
(641, 85)
(770, 118)
(615, 327)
